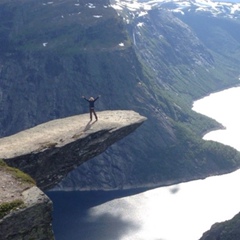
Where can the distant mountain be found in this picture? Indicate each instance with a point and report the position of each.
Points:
(206, 7)
(181, 62)
(146, 57)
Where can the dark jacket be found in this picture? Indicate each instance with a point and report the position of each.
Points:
(91, 102)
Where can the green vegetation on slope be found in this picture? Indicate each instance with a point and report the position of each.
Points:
(18, 174)
(7, 207)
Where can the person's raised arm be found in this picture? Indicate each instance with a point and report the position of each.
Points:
(97, 98)
(85, 98)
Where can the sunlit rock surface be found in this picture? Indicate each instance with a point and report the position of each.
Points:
(49, 151)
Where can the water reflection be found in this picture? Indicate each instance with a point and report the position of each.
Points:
(117, 227)
(73, 219)
(182, 211)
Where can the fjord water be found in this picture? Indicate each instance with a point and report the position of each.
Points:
(181, 211)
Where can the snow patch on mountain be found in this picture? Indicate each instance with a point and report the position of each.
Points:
(90, 5)
(137, 8)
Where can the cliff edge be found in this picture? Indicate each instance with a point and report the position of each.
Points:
(47, 153)
(25, 211)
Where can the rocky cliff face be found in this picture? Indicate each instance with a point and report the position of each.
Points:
(32, 221)
(25, 211)
(48, 152)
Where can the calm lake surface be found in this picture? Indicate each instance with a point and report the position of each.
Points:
(178, 212)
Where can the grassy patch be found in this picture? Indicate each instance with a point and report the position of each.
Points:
(2, 163)
(18, 174)
(6, 207)
(21, 175)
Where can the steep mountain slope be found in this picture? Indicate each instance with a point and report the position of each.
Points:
(175, 61)
(54, 52)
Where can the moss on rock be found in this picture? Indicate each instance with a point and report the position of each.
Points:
(6, 207)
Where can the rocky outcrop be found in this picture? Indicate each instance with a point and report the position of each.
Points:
(49, 151)
(229, 229)
(32, 221)
(25, 211)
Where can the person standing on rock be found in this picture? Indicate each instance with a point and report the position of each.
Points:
(91, 102)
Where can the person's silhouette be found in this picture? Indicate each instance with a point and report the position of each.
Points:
(91, 102)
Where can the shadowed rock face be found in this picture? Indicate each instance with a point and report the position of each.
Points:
(227, 230)
(33, 221)
(49, 151)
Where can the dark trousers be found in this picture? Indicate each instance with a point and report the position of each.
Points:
(92, 111)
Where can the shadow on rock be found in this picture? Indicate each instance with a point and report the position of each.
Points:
(89, 124)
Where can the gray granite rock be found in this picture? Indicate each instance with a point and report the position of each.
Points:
(49, 151)
(31, 221)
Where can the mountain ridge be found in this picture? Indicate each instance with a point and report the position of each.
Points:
(206, 7)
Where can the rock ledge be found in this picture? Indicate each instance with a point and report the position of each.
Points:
(49, 151)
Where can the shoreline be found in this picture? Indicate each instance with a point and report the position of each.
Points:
(217, 91)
